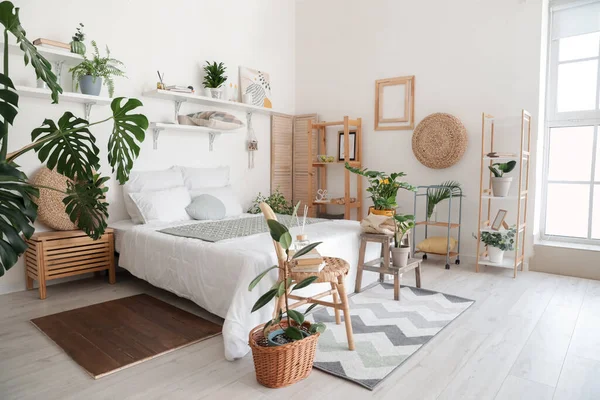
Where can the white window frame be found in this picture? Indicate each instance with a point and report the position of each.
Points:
(555, 119)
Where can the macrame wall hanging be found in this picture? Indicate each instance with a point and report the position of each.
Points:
(252, 142)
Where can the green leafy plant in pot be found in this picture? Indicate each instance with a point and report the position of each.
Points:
(288, 327)
(214, 78)
(276, 201)
(442, 192)
(383, 189)
(90, 74)
(77, 45)
(400, 251)
(500, 183)
(499, 242)
(66, 145)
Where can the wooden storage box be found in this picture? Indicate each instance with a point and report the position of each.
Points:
(53, 255)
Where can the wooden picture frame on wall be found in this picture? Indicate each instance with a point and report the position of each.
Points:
(405, 118)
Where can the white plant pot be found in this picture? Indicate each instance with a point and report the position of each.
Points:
(495, 254)
(501, 186)
(216, 93)
(400, 256)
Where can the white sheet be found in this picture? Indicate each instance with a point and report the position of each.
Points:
(216, 275)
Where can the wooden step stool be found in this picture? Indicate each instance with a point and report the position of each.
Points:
(383, 265)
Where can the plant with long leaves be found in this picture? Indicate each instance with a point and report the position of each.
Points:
(383, 187)
(441, 192)
(66, 145)
(98, 67)
(284, 286)
(499, 169)
(214, 75)
(403, 223)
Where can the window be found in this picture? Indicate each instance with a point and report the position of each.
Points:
(571, 186)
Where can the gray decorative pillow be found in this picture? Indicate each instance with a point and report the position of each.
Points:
(206, 207)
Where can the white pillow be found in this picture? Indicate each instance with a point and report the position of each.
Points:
(200, 178)
(233, 207)
(163, 205)
(147, 181)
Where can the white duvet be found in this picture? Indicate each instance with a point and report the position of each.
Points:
(216, 275)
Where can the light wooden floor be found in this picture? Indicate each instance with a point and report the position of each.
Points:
(536, 337)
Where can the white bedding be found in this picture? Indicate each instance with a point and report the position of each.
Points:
(216, 275)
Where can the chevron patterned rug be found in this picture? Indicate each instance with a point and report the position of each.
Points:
(386, 332)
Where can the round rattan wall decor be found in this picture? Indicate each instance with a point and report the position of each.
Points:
(439, 141)
(51, 209)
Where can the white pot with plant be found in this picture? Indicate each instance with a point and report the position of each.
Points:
(500, 183)
(400, 251)
(90, 74)
(214, 78)
(498, 242)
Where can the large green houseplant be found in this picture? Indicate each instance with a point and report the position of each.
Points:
(383, 189)
(67, 145)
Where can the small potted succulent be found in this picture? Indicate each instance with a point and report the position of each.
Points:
(383, 188)
(89, 74)
(214, 78)
(499, 242)
(286, 337)
(400, 251)
(500, 183)
(77, 45)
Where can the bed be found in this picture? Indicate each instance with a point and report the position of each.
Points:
(216, 275)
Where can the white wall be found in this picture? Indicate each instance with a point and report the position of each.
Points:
(174, 37)
(468, 56)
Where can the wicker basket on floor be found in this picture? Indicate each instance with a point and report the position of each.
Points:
(279, 366)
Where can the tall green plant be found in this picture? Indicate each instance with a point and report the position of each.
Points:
(98, 67)
(441, 193)
(214, 75)
(404, 223)
(66, 145)
(283, 287)
(383, 187)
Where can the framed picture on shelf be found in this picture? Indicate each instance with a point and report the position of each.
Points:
(499, 220)
(341, 146)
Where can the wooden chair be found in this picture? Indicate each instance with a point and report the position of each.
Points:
(334, 272)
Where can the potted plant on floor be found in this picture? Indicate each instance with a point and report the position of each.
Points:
(500, 183)
(89, 74)
(400, 251)
(498, 242)
(383, 188)
(284, 348)
(214, 78)
(77, 45)
(440, 193)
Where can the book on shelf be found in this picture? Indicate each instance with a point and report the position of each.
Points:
(180, 89)
(52, 44)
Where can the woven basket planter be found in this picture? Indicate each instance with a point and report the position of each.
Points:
(279, 366)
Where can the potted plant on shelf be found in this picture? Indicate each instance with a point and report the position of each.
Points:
(438, 194)
(77, 45)
(500, 183)
(214, 78)
(89, 74)
(284, 348)
(498, 242)
(400, 251)
(383, 188)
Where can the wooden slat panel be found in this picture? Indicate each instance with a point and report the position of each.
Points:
(64, 253)
(64, 243)
(79, 263)
(103, 264)
(282, 155)
(301, 159)
(76, 272)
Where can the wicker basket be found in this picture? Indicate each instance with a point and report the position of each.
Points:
(279, 366)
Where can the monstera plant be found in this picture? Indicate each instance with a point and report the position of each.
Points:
(66, 145)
